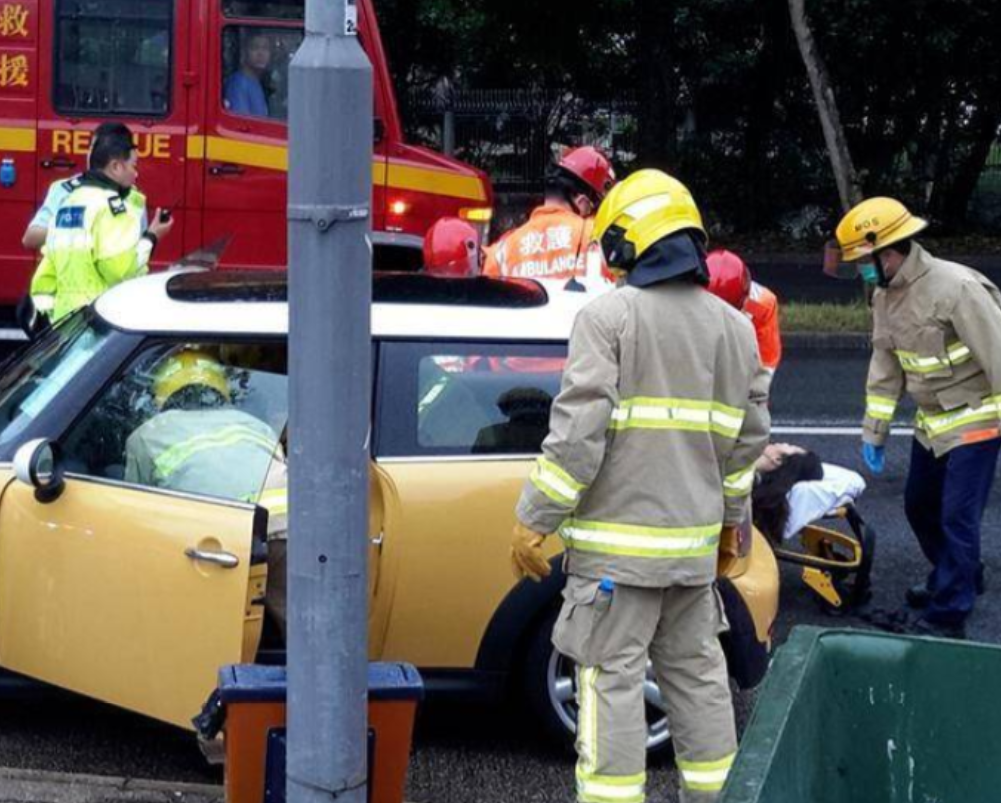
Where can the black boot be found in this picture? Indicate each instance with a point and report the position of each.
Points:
(918, 596)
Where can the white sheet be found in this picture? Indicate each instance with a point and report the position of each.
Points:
(814, 499)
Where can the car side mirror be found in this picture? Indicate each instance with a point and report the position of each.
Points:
(37, 463)
(378, 130)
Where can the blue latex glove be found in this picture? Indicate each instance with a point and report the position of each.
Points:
(875, 457)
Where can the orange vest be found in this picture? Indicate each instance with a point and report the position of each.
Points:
(762, 306)
(551, 245)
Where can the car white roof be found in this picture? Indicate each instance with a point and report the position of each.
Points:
(143, 305)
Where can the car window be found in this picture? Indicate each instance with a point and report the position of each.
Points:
(467, 400)
(203, 418)
(28, 385)
(114, 57)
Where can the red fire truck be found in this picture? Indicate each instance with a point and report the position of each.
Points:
(203, 84)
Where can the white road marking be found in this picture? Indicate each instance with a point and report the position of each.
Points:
(902, 432)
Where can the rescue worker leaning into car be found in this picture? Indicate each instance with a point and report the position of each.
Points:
(99, 237)
(199, 443)
(554, 243)
(937, 334)
(648, 465)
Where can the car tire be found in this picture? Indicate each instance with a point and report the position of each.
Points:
(547, 688)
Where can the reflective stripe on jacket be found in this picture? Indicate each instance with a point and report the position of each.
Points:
(652, 438)
(937, 333)
(553, 244)
(94, 243)
(216, 452)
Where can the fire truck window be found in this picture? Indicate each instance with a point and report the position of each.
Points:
(255, 69)
(264, 9)
(113, 57)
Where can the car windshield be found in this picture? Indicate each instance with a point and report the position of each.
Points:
(29, 383)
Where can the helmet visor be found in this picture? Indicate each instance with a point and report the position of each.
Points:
(615, 247)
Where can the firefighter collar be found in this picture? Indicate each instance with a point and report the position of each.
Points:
(914, 267)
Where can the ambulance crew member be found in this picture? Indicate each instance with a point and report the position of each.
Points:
(553, 244)
(452, 248)
(730, 279)
(647, 467)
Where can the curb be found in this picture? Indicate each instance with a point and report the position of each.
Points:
(40, 786)
(826, 340)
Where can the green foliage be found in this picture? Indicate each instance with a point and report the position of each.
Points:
(721, 94)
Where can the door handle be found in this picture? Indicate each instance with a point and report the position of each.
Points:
(224, 559)
(226, 170)
(58, 164)
(377, 540)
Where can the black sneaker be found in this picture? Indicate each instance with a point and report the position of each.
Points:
(919, 597)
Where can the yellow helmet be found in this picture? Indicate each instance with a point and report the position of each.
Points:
(873, 224)
(186, 368)
(645, 207)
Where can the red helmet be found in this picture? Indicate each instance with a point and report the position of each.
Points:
(591, 166)
(452, 248)
(729, 277)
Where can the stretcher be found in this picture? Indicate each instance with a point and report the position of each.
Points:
(836, 555)
(835, 551)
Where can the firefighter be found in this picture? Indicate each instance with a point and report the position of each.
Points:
(937, 334)
(452, 248)
(98, 238)
(198, 442)
(730, 279)
(553, 244)
(647, 468)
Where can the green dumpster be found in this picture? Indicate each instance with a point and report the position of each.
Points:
(859, 717)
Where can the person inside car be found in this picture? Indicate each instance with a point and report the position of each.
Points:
(198, 442)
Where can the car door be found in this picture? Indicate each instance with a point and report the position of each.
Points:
(132, 586)
(458, 427)
(128, 595)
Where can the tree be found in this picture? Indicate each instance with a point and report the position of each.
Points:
(827, 109)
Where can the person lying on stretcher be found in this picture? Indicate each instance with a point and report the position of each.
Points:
(793, 488)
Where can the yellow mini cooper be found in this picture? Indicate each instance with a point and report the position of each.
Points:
(121, 585)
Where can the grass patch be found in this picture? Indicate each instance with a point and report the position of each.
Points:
(798, 317)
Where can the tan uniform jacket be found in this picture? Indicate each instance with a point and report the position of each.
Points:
(652, 438)
(937, 333)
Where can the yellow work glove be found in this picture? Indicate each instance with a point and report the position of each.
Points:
(527, 559)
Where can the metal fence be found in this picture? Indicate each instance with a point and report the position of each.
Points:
(510, 133)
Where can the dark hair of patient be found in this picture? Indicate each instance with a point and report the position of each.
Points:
(768, 500)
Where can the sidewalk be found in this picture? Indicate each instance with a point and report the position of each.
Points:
(38, 786)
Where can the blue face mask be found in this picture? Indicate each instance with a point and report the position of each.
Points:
(868, 272)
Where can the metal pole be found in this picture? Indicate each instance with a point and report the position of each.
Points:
(448, 133)
(330, 184)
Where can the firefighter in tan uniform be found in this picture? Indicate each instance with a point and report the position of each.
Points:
(937, 333)
(649, 462)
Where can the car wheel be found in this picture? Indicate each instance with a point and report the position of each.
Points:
(549, 686)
